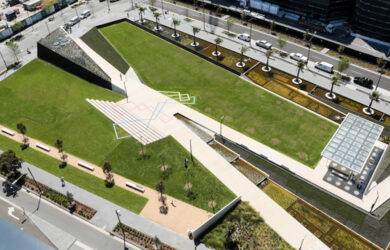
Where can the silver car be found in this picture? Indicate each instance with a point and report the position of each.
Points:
(264, 44)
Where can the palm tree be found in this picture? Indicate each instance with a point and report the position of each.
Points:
(22, 129)
(157, 15)
(217, 41)
(381, 64)
(268, 55)
(343, 64)
(195, 30)
(374, 96)
(160, 188)
(141, 11)
(282, 43)
(335, 80)
(300, 66)
(243, 50)
(175, 22)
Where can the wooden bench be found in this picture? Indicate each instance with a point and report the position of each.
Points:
(42, 147)
(85, 166)
(134, 186)
(9, 132)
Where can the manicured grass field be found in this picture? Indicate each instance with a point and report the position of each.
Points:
(248, 109)
(51, 103)
(117, 195)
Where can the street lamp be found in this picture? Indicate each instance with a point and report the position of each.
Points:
(2, 57)
(108, 5)
(204, 19)
(220, 125)
(250, 31)
(310, 42)
(123, 231)
(382, 71)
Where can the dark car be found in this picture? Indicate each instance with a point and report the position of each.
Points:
(363, 81)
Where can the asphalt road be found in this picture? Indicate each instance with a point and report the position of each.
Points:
(353, 70)
(88, 237)
(19, 219)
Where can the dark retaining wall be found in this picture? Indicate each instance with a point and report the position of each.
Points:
(50, 56)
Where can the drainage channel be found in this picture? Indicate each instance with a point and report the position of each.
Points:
(328, 230)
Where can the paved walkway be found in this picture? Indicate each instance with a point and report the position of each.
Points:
(106, 218)
(180, 219)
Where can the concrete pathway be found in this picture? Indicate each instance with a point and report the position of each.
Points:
(180, 218)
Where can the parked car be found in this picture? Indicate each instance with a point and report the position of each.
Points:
(363, 81)
(264, 44)
(324, 66)
(298, 57)
(245, 37)
(74, 20)
(85, 14)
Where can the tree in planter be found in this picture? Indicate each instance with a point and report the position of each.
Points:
(152, 2)
(217, 41)
(71, 202)
(330, 94)
(23, 130)
(229, 24)
(281, 43)
(157, 16)
(160, 187)
(343, 64)
(141, 12)
(175, 23)
(59, 145)
(340, 49)
(218, 10)
(374, 96)
(14, 47)
(268, 54)
(243, 17)
(243, 50)
(381, 64)
(272, 26)
(9, 165)
(194, 31)
(107, 168)
(300, 66)
(157, 243)
(306, 35)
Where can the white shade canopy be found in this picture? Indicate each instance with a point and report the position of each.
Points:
(353, 142)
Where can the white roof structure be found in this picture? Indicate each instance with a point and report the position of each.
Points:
(353, 142)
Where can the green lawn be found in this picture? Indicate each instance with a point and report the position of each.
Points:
(51, 103)
(117, 195)
(248, 109)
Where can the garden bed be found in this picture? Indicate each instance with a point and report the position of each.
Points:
(141, 239)
(60, 199)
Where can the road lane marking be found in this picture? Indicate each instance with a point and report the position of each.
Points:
(10, 211)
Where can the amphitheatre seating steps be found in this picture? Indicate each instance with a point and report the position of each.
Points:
(137, 128)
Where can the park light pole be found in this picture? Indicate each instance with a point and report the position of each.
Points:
(2, 57)
(382, 71)
(250, 31)
(310, 42)
(47, 26)
(117, 211)
(108, 5)
(220, 125)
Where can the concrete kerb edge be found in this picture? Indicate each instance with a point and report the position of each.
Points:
(310, 183)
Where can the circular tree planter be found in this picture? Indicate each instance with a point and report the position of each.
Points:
(194, 44)
(297, 81)
(177, 35)
(216, 54)
(158, 30)
(368, 111)
(265, 69)
(330, 96)
(240, 65)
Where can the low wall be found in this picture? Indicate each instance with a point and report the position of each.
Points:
(214, 219)
(52, 57)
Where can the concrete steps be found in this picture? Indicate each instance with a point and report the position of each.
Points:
(129, 122)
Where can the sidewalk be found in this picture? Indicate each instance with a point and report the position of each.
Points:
(106, 218)
(287, 65)
(179, 219)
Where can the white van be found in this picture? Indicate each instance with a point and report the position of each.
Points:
(74, 20)
(85, 14)
(324, 66)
